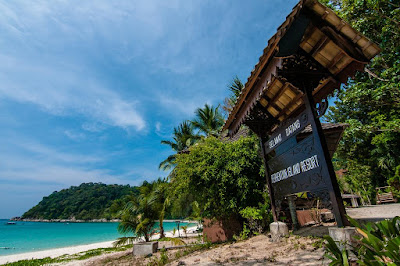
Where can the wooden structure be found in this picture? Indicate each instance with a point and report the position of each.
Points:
(384, 197)
(353, 198)
(312, 53)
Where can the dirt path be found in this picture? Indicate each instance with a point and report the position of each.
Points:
(258, 250)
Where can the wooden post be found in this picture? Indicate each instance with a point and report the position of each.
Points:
(269, 183)
(329, 173)
(292, 207)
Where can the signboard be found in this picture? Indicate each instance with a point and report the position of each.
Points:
(304, 166)
(290, 128)
(296, 170)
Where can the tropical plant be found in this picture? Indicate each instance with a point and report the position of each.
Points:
(160, 201)
(235, 88)
(335, 254)
(183, 138)
(223, 178)
(208, 120)
(139, 216)
(184, 228)
(379, 244)
(394, 182)
(370, 103)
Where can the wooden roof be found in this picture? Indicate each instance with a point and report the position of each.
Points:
(313, 40)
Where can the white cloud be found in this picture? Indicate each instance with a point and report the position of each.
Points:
(77, 136)
(63, 90)
(158, 126)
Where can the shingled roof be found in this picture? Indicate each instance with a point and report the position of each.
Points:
(317, 32)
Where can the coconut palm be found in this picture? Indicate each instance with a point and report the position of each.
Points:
(235, 89)
(160, 202)
(208, 120)
(183, 138)
(139, 216)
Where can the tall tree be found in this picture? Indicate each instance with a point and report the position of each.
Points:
(160, 202)
(235, 88)
(208, 120)
(183, 137)
(139, 216)
(370, 103)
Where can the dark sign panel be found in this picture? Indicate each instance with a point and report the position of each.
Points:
(290, 128)
(298, 169)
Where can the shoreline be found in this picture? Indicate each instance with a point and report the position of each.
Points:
(69, 250)
(101, 220)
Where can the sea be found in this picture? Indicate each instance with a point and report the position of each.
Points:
(35, 236)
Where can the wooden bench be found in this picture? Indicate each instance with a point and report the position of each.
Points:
(384, 197)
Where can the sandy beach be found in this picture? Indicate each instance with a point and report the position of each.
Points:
(73, 249)
(54, 252)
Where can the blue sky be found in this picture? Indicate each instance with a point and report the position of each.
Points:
(89, 88)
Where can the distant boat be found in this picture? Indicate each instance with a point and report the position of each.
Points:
(11, 223)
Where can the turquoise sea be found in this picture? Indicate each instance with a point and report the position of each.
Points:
(34, 236)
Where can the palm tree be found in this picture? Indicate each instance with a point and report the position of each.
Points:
(139, 216)
(209, 120)
(183, 138)
(235, 89)
(161, 202)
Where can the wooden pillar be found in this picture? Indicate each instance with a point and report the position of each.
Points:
(326, 162)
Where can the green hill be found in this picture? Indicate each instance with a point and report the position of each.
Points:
(85, 202)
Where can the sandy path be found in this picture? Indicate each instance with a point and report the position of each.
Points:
(259, 251)
(375, 212)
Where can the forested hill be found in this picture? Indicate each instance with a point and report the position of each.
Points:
(85, 202)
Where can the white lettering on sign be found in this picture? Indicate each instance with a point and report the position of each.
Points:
(272, 143)
(301, 167)
(292, 128)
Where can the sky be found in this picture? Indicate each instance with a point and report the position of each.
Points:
(88, 89)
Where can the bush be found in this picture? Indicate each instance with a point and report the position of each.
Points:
(378, 245)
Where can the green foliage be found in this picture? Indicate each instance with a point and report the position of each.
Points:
(139, 215)
(394, 181)
(235, 88)
(370, 103)
(357, 179)
(222, 177)
(379, 244)
(184, 228)
(208, 120)
(257, 218)
(87, 201)
(244, 234)
(183, 137)
(333, 252)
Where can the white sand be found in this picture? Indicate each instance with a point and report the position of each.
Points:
(54, 252)
(71, 250)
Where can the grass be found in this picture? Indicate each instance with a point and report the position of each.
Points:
(65, 258)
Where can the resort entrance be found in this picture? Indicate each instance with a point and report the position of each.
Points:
(311, 55)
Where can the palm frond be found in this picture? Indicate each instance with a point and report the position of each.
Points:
(122, 241)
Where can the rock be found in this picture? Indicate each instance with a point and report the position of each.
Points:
(181, 263)
(278, 230)
(343, 236)
(145, 249)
